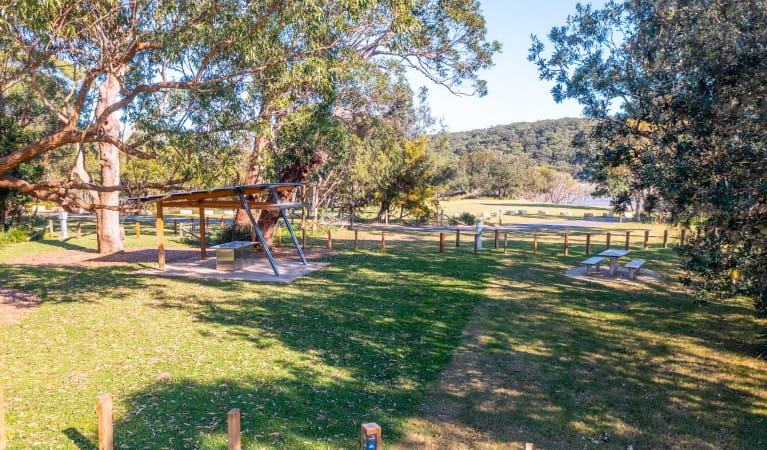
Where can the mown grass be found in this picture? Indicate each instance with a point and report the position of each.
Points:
(543, 358)
(306, 362)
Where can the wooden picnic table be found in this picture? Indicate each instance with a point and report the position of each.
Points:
(614, 255)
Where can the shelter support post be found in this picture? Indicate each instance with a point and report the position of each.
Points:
(203, 244)
(160, 227)
(257, 230)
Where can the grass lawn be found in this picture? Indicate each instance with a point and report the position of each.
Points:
(536, 356)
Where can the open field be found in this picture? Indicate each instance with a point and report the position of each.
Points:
(458, 348)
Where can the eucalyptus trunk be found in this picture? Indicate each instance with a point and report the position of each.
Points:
(108, 220)
(254, 175)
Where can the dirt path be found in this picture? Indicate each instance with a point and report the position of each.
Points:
(15, 305)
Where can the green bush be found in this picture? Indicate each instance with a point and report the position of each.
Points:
(14, 235)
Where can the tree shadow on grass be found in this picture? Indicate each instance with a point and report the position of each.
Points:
(378, 328)
(565, 363)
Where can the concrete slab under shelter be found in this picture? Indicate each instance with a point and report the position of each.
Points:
(259, 271)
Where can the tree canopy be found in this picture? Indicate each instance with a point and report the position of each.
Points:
(680, 92)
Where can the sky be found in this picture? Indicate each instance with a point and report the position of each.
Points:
(515, 94)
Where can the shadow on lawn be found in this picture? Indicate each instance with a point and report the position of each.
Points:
(388, 322)
(566, 363)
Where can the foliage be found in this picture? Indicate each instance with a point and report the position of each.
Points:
(679, 89)
(14, 235)
(547, 143)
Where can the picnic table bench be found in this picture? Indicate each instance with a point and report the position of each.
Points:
(592, 264)
(633, 267)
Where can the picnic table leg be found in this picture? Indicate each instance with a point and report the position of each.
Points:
(613, 265)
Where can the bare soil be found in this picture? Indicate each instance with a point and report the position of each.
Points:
(15, 305)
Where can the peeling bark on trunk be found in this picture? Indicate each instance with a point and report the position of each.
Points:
(267, 221)
(255, 174)
(107, 221)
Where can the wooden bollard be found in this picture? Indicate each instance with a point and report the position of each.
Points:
(477, 237)
(330, 240)
(567, 246)
(457, 238)
(78, 230)
(646, 240)
(529, 446)
(104, 412)
(279, 237)
(607, 243)
(500, 218)
(383, 241)
(496, 238)
(588, 243)
(370, 438)
(50, 226)
(233, 429)
(138, 229)
(3, 439)
(175, 226)
(442, 242)
(535, 244)
(356, 246)
(628, 237)
(505, 243)
(303, 238)
(665, 238)
(221, 222)
(682, 237)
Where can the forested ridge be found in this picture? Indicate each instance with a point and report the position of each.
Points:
(547, 142)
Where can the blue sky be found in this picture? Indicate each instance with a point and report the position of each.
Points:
(515, 92)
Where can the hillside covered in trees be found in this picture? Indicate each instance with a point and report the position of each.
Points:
(547, 142)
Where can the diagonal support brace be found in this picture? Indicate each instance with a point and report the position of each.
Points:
(260, 235)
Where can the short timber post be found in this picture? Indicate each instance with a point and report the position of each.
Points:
(330, 240)
(529, 446)
(221, 222)
(505, 243)
(303, 239)
(233, 429)
(50, 227)
(370, 438)
(535, 244)
(203, 248)
(588, 243)
(646, 240)
(665, 238)
(500, 218)
(138, 229)
(457, 238)
(442, 242)
(279, 237)
(567, 247)
(160, 232)
(628, 234)
(104, 412)
(78, 230)
(175, 226)
(356, 245)
(607, 241)
(477, 237)
(496, 237)
(3, 441)
(682, 236)
(383, 241)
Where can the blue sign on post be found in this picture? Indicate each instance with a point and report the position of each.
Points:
(371, 436)
(371, 443)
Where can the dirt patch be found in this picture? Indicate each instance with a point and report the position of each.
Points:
(15, 305)
(148, 256)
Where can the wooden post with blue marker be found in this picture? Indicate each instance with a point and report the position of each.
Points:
(371, 437)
